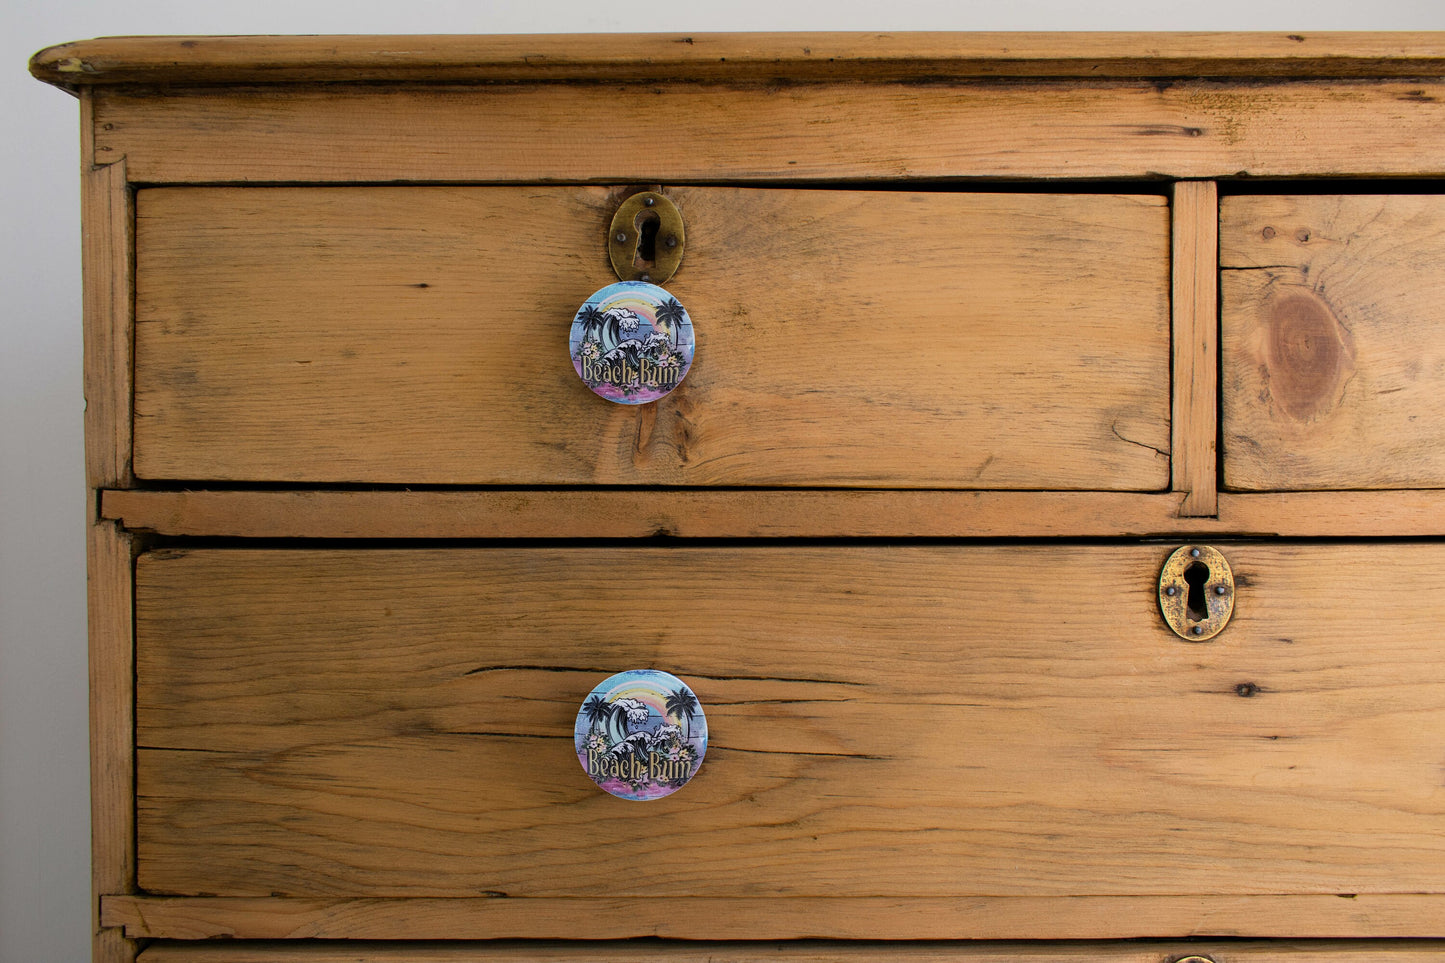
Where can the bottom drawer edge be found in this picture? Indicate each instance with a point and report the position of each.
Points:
(803, 951)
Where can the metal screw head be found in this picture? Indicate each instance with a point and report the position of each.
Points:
(621, 237)
(671, 241)
(1194, 553)
(1220, 590)
(1171, 590)
(1198, 630)
(649, 201)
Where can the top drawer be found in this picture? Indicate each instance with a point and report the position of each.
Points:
(418, 335)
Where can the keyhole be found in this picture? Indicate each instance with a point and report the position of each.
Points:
(1196, 605)
(647, 224)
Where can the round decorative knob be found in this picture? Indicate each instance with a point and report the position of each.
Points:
(641, 734)
(632, 342)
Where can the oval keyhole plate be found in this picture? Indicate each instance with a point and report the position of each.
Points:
(646, 239)
(1196, 592)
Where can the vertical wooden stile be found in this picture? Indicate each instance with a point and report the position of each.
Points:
(105, 219)
(106, 268)
(1196, 346)
(112, 753)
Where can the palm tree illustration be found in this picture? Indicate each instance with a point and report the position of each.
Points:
(591, 320)
(671, 314)
(597, 709)
(682, 704)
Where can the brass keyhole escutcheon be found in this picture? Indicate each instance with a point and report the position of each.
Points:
(1195, 959)
(646, 239)
(1196, 592)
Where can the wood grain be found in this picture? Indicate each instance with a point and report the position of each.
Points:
(772, 133)
(112, 730)
(1314, 951)
(1196, 345)
(105, 266)
(416, 335)
(756, 56)
(111, 945)
(886, 721)
(714, 513)
(757, 918)
(1333, 341)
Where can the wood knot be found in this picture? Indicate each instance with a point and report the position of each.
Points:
(1308, 354)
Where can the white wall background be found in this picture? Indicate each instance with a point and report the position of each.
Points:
(44, 809)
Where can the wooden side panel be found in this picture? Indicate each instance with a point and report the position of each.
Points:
(416, 335)
(1334, 341)
(953, 721)
(1196, 345)
(112, 744)
(825, 131)
(1310, 951)
(105, 264)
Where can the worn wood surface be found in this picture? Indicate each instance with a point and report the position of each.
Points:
(762, 917)
(771, 133)
(112, 743)
(1334, 341)
(1314, 951)
(885, 721)
(105, 266)
(1196, 345)
(111, 945)
(754, 56)
(413, 335)
(711, 513)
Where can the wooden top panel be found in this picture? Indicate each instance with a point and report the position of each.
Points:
(790, 56)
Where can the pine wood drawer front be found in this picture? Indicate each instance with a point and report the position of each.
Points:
(415, 335)
(1333, 345)
(901, 722)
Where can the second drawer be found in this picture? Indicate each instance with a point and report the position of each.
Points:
(884, 721)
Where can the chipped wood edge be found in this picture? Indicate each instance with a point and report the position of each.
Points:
(1195, 261)
(1374, 951)
(641, 513)
(110, 555)
(766, 918)
(106, 226)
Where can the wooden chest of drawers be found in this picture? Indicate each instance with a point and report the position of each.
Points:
(987, 326)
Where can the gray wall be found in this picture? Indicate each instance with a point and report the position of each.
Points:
(44, 871)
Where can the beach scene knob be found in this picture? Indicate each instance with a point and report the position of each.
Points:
(641, 734)
(632, 342)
